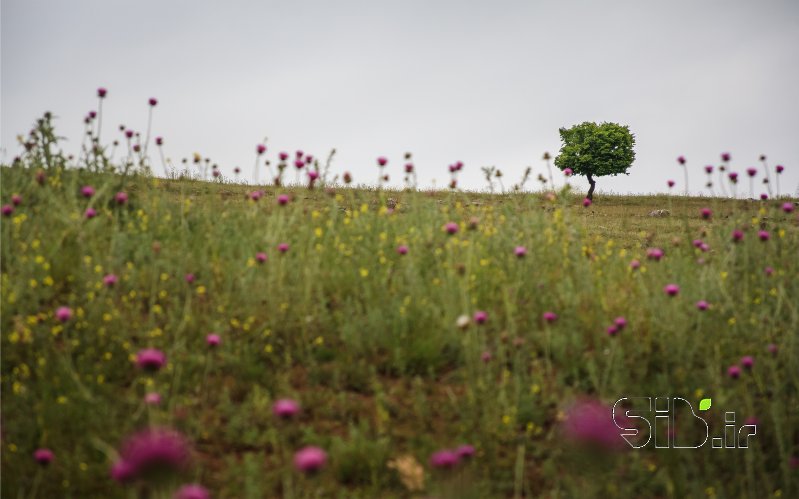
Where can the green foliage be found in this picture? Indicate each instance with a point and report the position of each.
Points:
(596, 150)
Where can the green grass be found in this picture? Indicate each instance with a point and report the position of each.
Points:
(366, 339)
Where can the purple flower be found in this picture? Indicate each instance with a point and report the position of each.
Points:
(480, 317)
(681, 160)
(283, 247)
(159, 141)
(283, 199)
(706, 213)
(260, 257)
(283, 156)
(550, 317)
(189, 278)
(382, 161)
(256, 195)
(150, 359)
(7, 210)
(43, 456)
(589, 422)
(586, 203)
(465, 451)
(260, 149)
(122, 472)
(734, 372)
(408, 167)
(90, 213)
(725, 156)
(402, 249)
(768, 270)
(451, 227)
(671, 289)
(444, 459)
(16, 199)
(152, 451)
(313, 175)
(152, 398)
(702, 305)
(153, 101)
(285, 408)
(612, 330)
(110, 279)
(213, 340)
(733, 177)
(763, 196)
(751, 172)
(620, 322)
(129, 133)
(121, 197)
(787, 207)
(101, 92)
(670, 183)
(764, 235)
(63, 314)
(709, 169)
(747, 361)
(737, 236)
(568, 172)
(192, 491)
(87, 191)
(485, 357)
(299, 164)
(635, 264)
(779, 168)
(310, 459)
(654, 254)
(520, 251)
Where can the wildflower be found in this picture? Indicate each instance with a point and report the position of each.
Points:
(485, 357)
(159, 141)
(671, 289)
(129, 134)
(620, 322)
(282, 199)
(150, 359)
(192, 491)
(90, 213)
(260, 256)
(63, 314)
(480, 317)
(444, 459)
(87, 191)
(7, 210)
(764, 235)
(121, 197)
(586, 203)
(256, 195)
(260, 149)
(285, 408)
(451, 228)
(313, 175)
(283, 156)
(462, 321)
(787, 207)
(520, 251)
(16, 199)
(152, 398)
(697, 243)
(763, 196)
(310, 459)
(751, 172)
(737, 236)
(709, 169)
(152, 451)
(283, 247)
(733, 177)
(590, 422)
(43, 456)
(110, 279)
(725, 156)
(382, 161)
(101, 92)
(670, 183)
(409, 168)
(299, 164)
(635, 264)
(122, 472)
(568, 172)
(189, 278)
(654, 254)
(402, 249)
(612, 330)
(768, 270)
(706, 213)
(681, 160)
(779, 168)
(347, 177)
(702, 305)
(747, 362)
(734, 372)
(213, 340)
(465, 451)
(550, 317)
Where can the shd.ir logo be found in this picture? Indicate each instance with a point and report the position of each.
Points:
(638, 417)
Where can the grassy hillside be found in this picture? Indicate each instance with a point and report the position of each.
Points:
(397, 334)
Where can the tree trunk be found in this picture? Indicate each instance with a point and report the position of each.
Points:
(591, 190)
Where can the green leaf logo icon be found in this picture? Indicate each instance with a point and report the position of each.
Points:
(704, 404)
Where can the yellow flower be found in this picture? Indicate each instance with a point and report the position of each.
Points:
(364, 272)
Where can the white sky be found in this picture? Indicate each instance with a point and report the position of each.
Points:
(484, 82)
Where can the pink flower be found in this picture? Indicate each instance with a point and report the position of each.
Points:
(451, 228)
(402, 249)
(110, 279)
(152, 398)
(260, 149)
(152, 451)
(282, 199)
(550, 317)
(283, 156)
(779, 168)
(568, 172)
(589, 422)
(192, 491)
(101, 92)
(764, 235)
(681, 160)
(763, 196)
(751, 172)
(787, 207)
(737, 236)
(63, 314)
(612, 330)
(16, 199)
(189, 278)
(382, 161)
(408, 167)
(213, 340)
(150, 359)
(725, 156)
(256, 195)
(299, 164)
(733, 177)
(285, 408)
(768, 270)
(485, 357)
(153, 101)
(520, 251)
(122, 472)
(310, 459)
(670, 183)
(313, 175)
(747, 361)
(465, 451)
(90, 213)
(283, 247)
(706, 213)
(260, 257)
(87, 191)
(635, 264)
(734, 372)
(709, 169)
(480, 317)
(702, 305)
(7, 210)
(129, 133)
(620, 322)
(43, 456)
(586, 203)
(654, 254)
(671, 289)
(444, 459)
(121, 197)
(159, 141)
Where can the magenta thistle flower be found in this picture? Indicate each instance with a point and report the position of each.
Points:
(121, 197)
(310, 459)
(150, 359)
(751, 172)
(702, 305)
(768, 270)
(671, 289)
(520, 251)
(283, 156)
(764, 235)
(7, 210)
(87, 191)
(285, 408)
(612, 330)
(747, 361)
(589, 422)
(122, 472)
(734, 372)
(110, 279)
(480, 317)
(153, 101)
(189, 278)
(787, 207)
(725, 156)
(299, 164)
(256, 195)
(709, 169)
(382, 161)
(550, 317)
(444, 459)
(152, 398)
(213, 340)
(282, 199)
(620, 322)
(313, 175)
(283, 247)
(43, 456)
(260, 257)
(635, 264)
(260, 149)
(90, 213)
(402, 249)
(451, 228)
(586, 203)
(102, 92)
(408, 167)
(670, 183)
(154, 451)
(129, 133)
(568, 172)
(159, 141)
(733, 177)
(63, 314)
(779, 168)
(465, 451)
(706, 213)
(681, 160)
(16, 199)
(192, 491)
(737, 235)
(763, 196)
(654, 254)
(485, 357)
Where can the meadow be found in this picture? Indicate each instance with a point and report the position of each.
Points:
(162, 332)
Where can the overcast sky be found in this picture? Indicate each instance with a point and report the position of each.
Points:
(483, 82)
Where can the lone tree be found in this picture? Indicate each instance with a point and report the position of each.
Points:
(596, 150)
